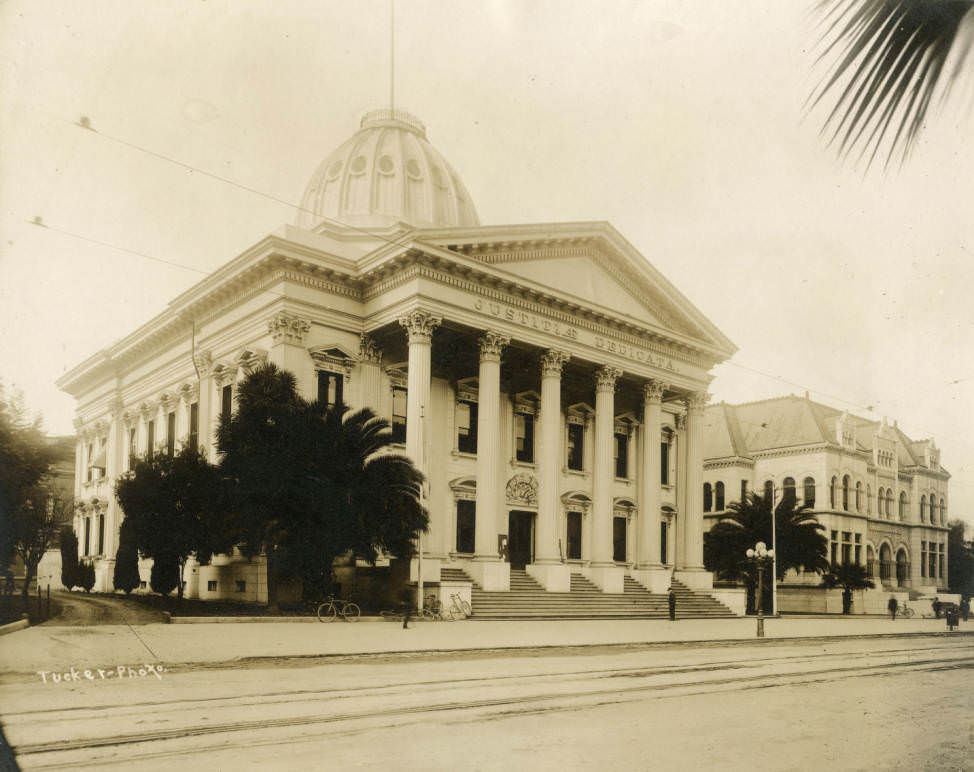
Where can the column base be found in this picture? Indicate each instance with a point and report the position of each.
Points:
(609, 579)
(554, 577)
(492, 575)
(695, 578)
(656, 580)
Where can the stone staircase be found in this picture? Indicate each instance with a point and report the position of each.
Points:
(528, 600)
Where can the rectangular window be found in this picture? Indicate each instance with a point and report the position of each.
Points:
(576, 445)
(466, 526)
(743, 491)
(150, 437)
(923, 559)
(662, 543)
(940, 573)
(330, 387)
(211, 586)
(194, 425)
(143, 585)
(226, 402)
(622, 455)
(133, 449)
(467, 427)
(574, 535)
(846, 553)
(933, 561)
(619, 539)
(101, 534)
(398, 414)
(834, 544)
(87, 536)
(171, 434)
(524, 437)
(241, 585)
(664, 463)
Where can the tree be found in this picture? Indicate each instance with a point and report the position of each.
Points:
(175, 507)
(310, 483)
(25, 459)
(801, 543)
(892, 57)
(166, 576)
(69, 557)
(960, 560)
(126, 576)
(86, 575)
(848, 576)
(35, 528)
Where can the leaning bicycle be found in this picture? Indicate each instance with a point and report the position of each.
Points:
(336, 607)
(459, 608)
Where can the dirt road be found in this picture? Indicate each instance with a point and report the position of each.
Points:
(77, 609)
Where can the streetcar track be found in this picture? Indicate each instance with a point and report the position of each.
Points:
(618, 694)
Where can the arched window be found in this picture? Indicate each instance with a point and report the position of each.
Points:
(708, 498)
(869, 500)
(879, 503)
(789, 488)
(845, 492)
(809, 492)
(858, 496)
(943, 511)
(719, 497)
(768, 490)
(933, 508)
(832, 493)
(889, 503)
(923, 509)
(902, 505)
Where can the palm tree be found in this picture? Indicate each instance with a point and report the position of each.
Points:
(801, 543)
(891, 58)
(848, 576)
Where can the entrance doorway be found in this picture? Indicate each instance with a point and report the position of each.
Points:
(520, 538)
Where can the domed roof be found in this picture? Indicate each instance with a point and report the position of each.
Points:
(387, 172)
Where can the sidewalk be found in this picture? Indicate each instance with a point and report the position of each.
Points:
(46, 647)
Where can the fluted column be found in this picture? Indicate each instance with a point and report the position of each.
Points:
(604, 571)
(488, 445)
(649, 496)
(370, 374)
(692, 571)
(419, 326)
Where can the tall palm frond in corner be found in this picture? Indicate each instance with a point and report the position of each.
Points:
(892, 57)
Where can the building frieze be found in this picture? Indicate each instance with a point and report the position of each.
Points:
(727, 463)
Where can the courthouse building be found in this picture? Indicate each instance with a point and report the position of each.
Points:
(546, 378)
(881, 496)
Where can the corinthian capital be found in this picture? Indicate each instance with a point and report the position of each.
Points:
(696, 401)
(552, 362)
(605, 378)
(286, 328)
(653, 391)
(419, 325)
(203, 361)
(491, 346)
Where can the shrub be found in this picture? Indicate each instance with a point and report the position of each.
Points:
(86, 575)
(126, 577)
(69, 557)
(165, 574)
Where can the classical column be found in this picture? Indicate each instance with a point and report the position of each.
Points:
(370, 374)
(548, 568)
(488, 445)
(203, 362)
(691, 571)
(288, 333)
(649, 571)
(604, 572)
(419, 326)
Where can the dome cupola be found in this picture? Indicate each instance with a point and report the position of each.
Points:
(385, 173)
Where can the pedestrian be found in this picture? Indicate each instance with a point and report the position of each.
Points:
(965, 608)
(671, 597)
(405, 619)
(951, 612)
(936, 607)
(892, 606)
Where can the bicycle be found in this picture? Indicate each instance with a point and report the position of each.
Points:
(433, 610)
(459, 609)
(336, 607)
(906, 612)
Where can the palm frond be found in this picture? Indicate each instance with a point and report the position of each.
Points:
(892, 57)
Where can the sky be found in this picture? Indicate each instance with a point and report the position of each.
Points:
(681, 122)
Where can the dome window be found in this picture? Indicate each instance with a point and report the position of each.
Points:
(334, 169)
(358, 165)
(412, 167)
(386, 165)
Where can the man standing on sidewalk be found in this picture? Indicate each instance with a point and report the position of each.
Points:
(672, 601)
(892, 606)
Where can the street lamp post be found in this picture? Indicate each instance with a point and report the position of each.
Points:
(759, 557)
(774, 553)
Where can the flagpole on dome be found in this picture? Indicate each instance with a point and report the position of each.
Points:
(392, 57)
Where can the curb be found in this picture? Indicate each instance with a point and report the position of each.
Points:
(15, 626)
(249, 620)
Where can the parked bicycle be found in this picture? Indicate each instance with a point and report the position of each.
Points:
(459, 609)
(336, 607)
